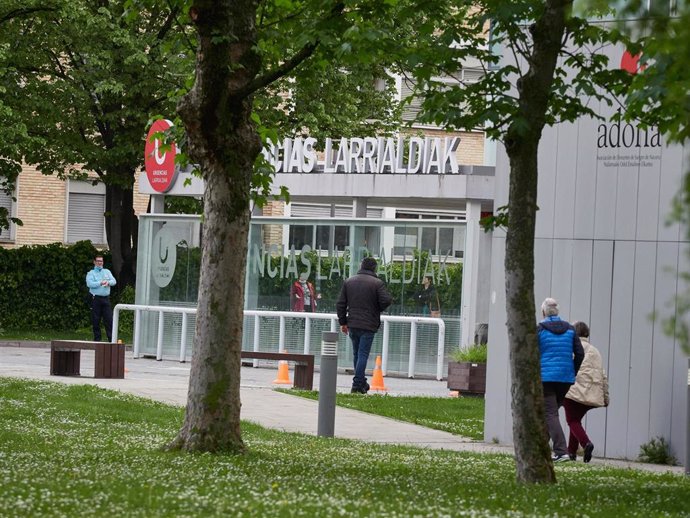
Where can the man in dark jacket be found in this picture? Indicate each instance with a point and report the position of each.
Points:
(561, 355)
(362, 299)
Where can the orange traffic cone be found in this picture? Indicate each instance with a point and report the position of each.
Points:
(377, 378)
(283, 374)
(119, 341)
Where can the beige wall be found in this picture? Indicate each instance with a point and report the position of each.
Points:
(41, 206)
(471, 148)
(273, 233)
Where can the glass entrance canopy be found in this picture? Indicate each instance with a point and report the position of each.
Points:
(325, 251)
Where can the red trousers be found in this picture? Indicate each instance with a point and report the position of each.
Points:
(574, 412)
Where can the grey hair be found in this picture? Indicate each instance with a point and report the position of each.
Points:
(549, 307)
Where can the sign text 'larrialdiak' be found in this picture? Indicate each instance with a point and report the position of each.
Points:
(413, 155)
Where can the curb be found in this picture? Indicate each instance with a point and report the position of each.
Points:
(26, 344)
(32, 344)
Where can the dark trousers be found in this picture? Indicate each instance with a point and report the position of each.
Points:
(574, 412)
(554, 394)
(100, 309)
(361, 345)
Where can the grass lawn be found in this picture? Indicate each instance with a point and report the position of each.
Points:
(69, 450)
(461, 416)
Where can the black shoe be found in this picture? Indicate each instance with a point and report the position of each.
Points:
(358, 390)
(560, 458)
(366, 388)
(589, 448)
(573, 456)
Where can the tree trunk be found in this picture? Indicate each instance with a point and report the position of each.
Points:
(532, 452)
(223, 140)
(212, 419)
(120, 222)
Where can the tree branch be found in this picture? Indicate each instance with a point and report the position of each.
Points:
(24, 11)
(167, 25)
(292, 63)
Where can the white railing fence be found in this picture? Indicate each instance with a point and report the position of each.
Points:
(282, 315)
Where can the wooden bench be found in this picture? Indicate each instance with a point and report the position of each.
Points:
(304, 366)
(65, 358)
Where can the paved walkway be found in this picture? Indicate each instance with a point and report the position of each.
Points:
(167, 381)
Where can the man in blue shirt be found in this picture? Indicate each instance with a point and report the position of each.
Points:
(99, 280)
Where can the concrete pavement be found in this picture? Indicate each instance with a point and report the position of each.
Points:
(167, 381)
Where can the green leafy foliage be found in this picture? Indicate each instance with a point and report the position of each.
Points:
(79, 80)
(475, 353)
(657, 451)
(43, 287)
(491, 102)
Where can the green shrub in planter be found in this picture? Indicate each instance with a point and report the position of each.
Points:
(467, 370)
(473, 354)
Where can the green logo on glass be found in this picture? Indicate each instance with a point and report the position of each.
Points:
(163, 257)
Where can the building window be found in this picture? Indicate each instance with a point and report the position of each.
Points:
(329, 237)
(7, 234)
(440, 241)
(85, 209)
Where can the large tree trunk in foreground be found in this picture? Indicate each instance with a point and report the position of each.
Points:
(532, 452)
(224, 142)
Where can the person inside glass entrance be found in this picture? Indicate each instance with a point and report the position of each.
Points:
(427, 298)
(303, 296)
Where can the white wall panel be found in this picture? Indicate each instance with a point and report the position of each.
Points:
(605, 202)
(641, 346)
(648, 198)
(626, 195)
(564, 195)
(600, 330)
(586, 179)
(497, 414)
(673, 163)
(543, 263)
(680, 420)
(548, 155)
(502, 177)
(619, 342)
(663, 346)
(561, 275)
(581, 283)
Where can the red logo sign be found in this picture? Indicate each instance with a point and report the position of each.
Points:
(631, 63)
(160, 168)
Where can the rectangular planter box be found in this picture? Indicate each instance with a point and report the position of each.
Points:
(467, 377)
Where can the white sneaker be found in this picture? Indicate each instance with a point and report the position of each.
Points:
(561, 458)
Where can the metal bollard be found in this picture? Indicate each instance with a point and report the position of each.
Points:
(327, 381)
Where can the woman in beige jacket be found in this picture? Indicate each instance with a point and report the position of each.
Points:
(591, 390)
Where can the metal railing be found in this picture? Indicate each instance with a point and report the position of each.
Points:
(282, 315)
